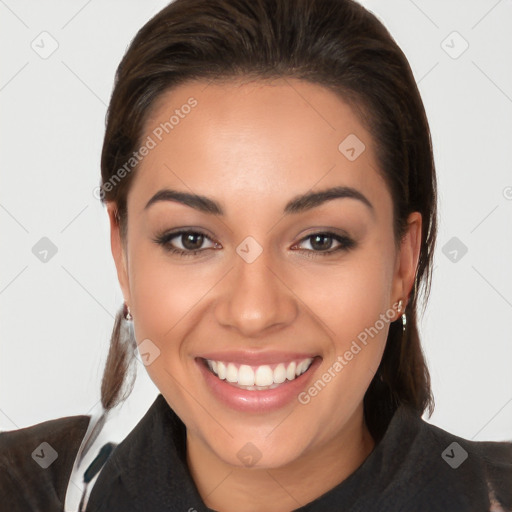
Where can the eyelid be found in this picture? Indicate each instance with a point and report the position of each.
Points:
(321, 230)
(171, 233)
(345, 242)
(308, 238)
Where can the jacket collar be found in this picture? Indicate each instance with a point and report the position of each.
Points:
(148, 469)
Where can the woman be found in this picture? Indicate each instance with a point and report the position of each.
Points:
(268, 175)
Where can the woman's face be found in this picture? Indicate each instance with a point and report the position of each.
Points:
(276, 280)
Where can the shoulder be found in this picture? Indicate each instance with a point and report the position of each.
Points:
(496, 461)
(479, 470)
(39, 458)
(422, 467)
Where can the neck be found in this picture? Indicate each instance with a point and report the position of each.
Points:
(227, 488)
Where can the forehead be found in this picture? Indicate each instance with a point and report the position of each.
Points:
(254, 139)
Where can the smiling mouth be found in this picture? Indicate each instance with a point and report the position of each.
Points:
(260, 377)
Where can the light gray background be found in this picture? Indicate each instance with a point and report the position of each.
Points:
(56, 317)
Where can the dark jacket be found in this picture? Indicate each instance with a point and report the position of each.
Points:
(415, 467)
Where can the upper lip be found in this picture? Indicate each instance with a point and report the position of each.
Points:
(256, 358)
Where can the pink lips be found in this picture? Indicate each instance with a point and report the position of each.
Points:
(256, 401)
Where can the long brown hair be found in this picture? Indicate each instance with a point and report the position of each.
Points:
(334, 43)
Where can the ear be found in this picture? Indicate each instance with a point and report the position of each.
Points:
(407, 259)
(118, 251)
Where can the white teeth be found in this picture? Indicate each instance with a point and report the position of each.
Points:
(301, 368)
(246, 376)
(264, 376)
(290, 371)
(259, 377)
(304, 365)
(221, 370)
(280, 374)
(232, 373)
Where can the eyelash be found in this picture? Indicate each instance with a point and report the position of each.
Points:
(345, 242)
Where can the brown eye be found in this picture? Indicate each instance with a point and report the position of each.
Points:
(185, 243)
(192, 241)
(322, 243)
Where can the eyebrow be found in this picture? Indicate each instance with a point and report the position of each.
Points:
(298, 204)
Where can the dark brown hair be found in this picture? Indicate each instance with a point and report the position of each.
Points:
(337, 44)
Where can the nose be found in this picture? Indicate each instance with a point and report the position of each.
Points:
(255, 299)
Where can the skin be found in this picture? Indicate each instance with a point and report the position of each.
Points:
(252, 146)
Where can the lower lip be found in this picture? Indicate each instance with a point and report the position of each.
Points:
(253, 400)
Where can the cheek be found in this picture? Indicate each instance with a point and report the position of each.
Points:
(354, 303)
(162, 297)
(163, 292)
(167, 304)
(350, 297)
(357, 313)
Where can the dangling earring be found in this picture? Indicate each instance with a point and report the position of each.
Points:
(126, 313)
(404, 316)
